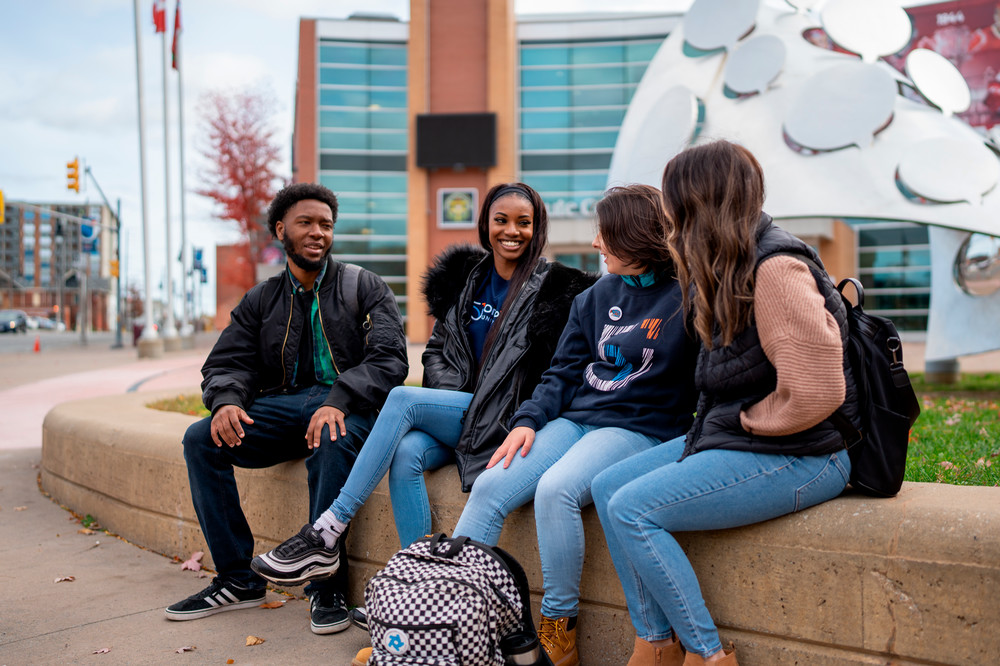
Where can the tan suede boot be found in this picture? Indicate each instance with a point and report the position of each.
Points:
(558, 641)
(696, 660)
(361, 659)
(647, 654)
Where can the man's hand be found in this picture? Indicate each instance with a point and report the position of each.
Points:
(325, 415)
(519, 439)
(227, 425)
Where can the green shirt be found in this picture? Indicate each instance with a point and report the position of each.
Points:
(323, 366)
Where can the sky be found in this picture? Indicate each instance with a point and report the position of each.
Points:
(68, 89)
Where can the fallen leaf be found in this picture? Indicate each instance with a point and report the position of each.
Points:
(66, 579)
(101, 651)
(947, 465)
(254, 640)
(20, 508)
(273, 604)
(186, 648)
(84, 530)
(230, 661)
(194, 562)
(954, 419)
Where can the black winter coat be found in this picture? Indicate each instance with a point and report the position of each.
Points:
(255, 355)
(521, 352)
(732, 378)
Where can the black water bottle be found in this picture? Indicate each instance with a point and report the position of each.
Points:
(521, 649)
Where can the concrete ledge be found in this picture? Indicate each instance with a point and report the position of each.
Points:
(911, 580)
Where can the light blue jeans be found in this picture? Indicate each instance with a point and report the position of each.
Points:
(558, 471)
(417, 430)
(644, 499)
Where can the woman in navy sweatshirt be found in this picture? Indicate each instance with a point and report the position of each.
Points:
(621, 382)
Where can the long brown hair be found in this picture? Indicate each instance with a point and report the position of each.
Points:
(529, 258)
(714, 195)
(632, 224)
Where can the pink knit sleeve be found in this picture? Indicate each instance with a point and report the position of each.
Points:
(802, 341)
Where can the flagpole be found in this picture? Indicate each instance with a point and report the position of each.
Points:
(187, 326)
(171, 341)
(150, 345)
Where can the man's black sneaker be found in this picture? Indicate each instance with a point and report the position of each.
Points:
(298, 560)
(219, 596)
(327, 612)
(358, 617)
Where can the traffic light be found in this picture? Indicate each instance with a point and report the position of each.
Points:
(73, 175)
(114, 268)
(2, 216)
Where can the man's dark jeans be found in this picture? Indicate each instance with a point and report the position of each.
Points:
(277, 435)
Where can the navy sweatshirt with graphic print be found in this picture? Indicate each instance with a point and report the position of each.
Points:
(624, 360)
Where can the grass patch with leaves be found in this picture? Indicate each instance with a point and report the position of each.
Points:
(957, 437)
(185, 404)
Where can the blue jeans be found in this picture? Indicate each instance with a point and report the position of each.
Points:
(642, 500)
(277, 435)
(417, 430)
(557, 472)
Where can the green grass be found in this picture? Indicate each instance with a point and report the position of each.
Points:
(956, 439)
(984, 382)
(185, 404)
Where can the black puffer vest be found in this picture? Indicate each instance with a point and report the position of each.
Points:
(732, 378)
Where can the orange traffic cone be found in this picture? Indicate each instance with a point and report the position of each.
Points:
(38, 343)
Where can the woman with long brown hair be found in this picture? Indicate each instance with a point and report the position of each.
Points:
(770, 373)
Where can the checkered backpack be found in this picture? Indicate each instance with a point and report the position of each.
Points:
(449, 601)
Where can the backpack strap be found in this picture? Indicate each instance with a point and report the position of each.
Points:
(349, 278)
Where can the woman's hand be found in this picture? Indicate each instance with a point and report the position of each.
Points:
(519, 439)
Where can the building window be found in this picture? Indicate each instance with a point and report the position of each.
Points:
(363, 143)
(894, 266)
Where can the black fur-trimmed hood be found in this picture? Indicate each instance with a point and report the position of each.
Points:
(446, 278)
(555, 296)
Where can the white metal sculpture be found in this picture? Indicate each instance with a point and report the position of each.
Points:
(833, 132)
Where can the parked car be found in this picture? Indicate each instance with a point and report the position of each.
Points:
(43, 323)
(14, 321)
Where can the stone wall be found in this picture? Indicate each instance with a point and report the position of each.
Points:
(910, 580)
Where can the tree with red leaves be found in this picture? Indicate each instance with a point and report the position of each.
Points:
(239, 144)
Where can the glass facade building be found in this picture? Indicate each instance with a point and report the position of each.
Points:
(574, 87)
(576, 75)
(894, 266)
(362, 151)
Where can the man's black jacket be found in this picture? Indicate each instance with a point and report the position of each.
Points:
(255, 355)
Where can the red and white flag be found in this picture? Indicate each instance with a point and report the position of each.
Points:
(160, 15)
(175, 62)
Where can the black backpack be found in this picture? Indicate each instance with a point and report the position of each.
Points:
(451, 601)
(887, 404)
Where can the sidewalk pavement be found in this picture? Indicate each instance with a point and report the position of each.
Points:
(117, 596)
(119, 591)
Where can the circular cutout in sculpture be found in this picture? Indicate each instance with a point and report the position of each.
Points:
(803, 5)
(755, 64)
(841, 106)
(948, 170)
(715, 24)
(938, 80)
(870, 28)
(665, 131)
(977, 265)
